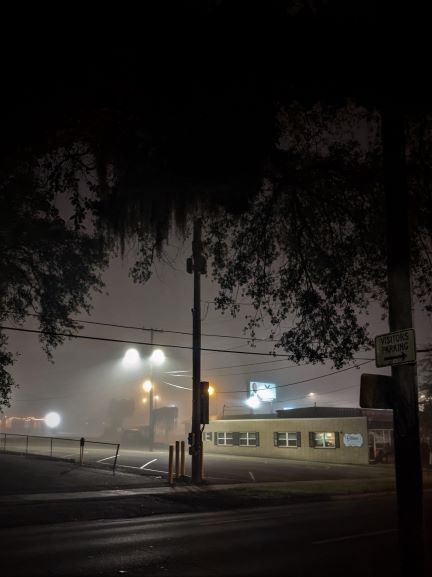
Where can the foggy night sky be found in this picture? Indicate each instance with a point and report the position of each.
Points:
(87, 374)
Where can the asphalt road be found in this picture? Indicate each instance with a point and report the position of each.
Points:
(349, 537)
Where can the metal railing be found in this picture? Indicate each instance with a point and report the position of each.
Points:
(61, 448)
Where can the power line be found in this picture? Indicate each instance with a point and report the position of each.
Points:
(134, 327)
(213, 350)
(129, 342)
(265, 371)
(305, 380)
(317, 394)
(251, 365)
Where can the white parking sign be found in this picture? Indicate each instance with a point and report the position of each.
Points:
(396, 348)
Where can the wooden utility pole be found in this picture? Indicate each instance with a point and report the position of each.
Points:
(405, 399)
(151, 414)
(196, 265)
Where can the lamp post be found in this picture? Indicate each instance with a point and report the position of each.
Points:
(148, 388)
(131, 360)
(157, 358)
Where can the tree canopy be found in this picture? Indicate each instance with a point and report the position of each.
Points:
(48, 264)
(262, 117)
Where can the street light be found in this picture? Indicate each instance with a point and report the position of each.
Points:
(131, 358)
(157, 357)
(52, 420)
(148, 388)
(253, 402)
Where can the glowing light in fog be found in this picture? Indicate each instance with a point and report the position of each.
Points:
(52, 420)
(253, 402)
(147, 386)
(131, 358)
(157, 357)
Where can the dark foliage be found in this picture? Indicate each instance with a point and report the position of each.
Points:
(148, 117)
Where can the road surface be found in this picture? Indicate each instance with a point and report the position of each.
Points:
(347, 537)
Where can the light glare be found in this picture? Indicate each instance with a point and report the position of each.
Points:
(157, 357)
(253, 402)
(52, 419)
(131, 358)
(147, 386)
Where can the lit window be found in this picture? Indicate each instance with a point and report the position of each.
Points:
(323, 440)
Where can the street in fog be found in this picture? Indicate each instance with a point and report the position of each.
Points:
(296, 540)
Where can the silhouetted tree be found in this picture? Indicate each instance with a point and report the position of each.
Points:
(238, 111)
(48, 264)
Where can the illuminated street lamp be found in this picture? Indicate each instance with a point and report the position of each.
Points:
(148, 388)
(157, 357)
(52, 420)
(253, 402)
(131, 358)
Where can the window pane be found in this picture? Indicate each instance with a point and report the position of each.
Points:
(319, 439)
(287, 439)
(282, 439)
(325, 440)
(330, 440)
(247, 439)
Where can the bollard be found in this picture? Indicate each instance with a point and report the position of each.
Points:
(51, 448)
(177, 459)
(82, 441)
(170, 464)
(201, 462)
(182, 459)
(27, 445)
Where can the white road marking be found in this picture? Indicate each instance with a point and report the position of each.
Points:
(152, 470)
(252, 475)
(106, 459)
(357, 536)
(145, 465)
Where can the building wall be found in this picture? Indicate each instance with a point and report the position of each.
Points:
(266, 428)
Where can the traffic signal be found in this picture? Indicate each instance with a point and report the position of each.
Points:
(191, 438)
(204, 402)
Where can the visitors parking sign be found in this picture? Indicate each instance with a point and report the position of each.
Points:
(396, 348)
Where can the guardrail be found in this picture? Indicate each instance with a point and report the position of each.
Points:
(60, 447)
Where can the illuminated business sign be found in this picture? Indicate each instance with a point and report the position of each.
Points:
(353, 439)
(265, 392)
